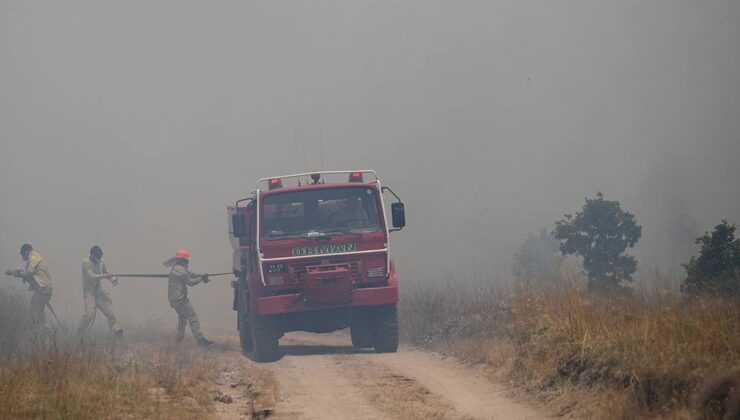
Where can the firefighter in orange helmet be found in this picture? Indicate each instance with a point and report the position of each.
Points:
(180, 278)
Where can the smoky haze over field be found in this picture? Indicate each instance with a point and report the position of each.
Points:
(133, 124)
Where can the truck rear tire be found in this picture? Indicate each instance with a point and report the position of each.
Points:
(360, 329)
(265, 338)
(385, 331)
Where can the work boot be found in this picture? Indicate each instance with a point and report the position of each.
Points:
(204, 342)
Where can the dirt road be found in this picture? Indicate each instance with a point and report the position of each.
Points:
(322, 377)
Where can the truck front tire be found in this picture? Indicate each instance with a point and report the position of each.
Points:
(385, 329)
(245, 331)
(265, 338)
(241, 299)
(361, 329)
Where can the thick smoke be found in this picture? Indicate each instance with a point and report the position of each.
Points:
(133, 124)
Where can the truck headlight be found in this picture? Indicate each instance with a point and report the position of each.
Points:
(275, 279)
(376, 271)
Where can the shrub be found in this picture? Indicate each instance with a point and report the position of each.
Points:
(600, 233)
(717, 269)
(538, 257)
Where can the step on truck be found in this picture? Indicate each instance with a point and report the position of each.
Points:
(311, 254)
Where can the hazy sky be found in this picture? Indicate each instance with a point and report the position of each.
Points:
(134, 124)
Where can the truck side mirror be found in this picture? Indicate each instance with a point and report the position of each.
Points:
(398, 215)
(239, 225)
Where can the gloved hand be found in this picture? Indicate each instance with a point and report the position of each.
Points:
(114, 280)
(205, 278)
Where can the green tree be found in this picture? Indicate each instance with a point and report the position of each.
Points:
(717, 269)
(538, 258)
(600, 233)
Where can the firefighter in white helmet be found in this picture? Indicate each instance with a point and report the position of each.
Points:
(94, 296)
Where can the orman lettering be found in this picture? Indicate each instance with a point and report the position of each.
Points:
(323, 249)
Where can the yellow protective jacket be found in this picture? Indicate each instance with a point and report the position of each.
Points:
(36, 270)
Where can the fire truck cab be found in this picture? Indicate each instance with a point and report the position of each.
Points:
(311, 254)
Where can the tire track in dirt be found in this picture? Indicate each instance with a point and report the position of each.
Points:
(397, 396)
(316, 387)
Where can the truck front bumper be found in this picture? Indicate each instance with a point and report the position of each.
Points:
(291, 303)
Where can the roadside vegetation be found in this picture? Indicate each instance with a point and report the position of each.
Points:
(600, 234)
(146, 376)
(597, 344)
(632, 356)
(716, 271)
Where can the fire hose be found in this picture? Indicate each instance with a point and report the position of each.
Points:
(164, 276)
(130, 275)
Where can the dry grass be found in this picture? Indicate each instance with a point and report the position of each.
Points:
(55, 383)
(12, 323)
(58, 377)
(652, 354)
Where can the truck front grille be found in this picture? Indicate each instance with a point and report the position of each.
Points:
(298, 270)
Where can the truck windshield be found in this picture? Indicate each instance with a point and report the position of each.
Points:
(320, 212)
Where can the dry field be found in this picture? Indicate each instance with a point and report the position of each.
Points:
(649, 355)
(653, 354)
(320, 376)
(143, 376)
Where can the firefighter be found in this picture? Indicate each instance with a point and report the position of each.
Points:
(37, 275)
(180, 278)
(94, 297)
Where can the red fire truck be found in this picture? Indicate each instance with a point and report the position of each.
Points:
(311, 254)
